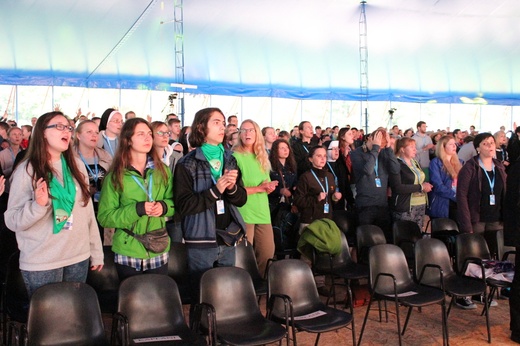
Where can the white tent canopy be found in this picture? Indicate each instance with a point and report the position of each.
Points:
(419, 50)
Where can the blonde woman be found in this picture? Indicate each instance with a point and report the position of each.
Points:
(254, 165)
(501, 147)
(444, 171)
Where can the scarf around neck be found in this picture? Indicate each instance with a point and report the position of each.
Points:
(63, 197)
(215, 156)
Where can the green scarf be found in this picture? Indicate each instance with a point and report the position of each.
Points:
(63, 197)
(215, 156)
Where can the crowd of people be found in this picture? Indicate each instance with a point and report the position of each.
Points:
(71, 185)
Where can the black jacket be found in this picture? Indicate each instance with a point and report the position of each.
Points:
(403, 186)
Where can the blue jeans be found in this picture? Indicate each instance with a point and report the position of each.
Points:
(200, 261)
(73, 273)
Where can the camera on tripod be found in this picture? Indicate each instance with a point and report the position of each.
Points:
(172, 97)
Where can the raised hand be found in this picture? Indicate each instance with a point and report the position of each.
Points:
(41, 192)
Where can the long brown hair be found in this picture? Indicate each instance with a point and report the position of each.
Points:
(290, 162)
(123, 156)
(38, 157)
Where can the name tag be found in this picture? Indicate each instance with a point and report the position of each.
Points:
(491, 199)
(220, 207)
(326, 208)
(378, 182)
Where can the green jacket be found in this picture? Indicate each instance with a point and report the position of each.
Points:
(322, 235)
(125, 209)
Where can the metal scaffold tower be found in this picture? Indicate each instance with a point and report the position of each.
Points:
(363, 65)
(178, 20)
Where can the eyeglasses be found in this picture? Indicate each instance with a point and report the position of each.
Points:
(247, 130)
(164, 133)
(61, 127)
(116, 121)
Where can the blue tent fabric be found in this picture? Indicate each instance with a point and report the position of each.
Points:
(447, 51)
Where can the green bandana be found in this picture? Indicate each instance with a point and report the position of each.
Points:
(215, 156)
(63, 197)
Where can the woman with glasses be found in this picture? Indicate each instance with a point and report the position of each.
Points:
(96, 160)
(255, 167)
(51, 211)
(161, 138)
(110, 128)
(137, 196)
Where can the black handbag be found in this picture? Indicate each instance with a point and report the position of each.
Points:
(155, 241)
(232, 235)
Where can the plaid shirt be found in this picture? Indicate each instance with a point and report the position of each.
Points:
(142, 264)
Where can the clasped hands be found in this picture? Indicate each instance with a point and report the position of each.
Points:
(227, 180)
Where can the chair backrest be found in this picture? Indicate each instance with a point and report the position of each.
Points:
(231, 292)
(294, 278)
(178, 269)
(502, 249)
(368, 236)
(151, 303)
(65, 313)
(406, 233)
(432, 251)
(444, 224)
(15, 297)
(322, 261)
(389, 259)
(470, 245)
(106, 282)
(245, 259)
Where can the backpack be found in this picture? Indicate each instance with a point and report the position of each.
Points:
(285, 227)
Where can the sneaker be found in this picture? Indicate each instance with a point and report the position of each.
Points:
(480, 300)
(465, 303)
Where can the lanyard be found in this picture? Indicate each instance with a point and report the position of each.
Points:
(324, 189)
(414, 169)
(107, 141)
(376, 167)
(150, 184)
(491, 182)
(304, 147)
(96, 173)
(333, 173)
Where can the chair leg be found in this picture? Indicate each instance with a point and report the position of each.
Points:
(445, 337)
(452, 302)
(398, 320)
(489, 299)
(407, 319)
(317, 339)
(486, 310)
(366, 318)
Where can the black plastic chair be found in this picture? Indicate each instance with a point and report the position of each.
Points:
(446, 230)
(390, 279)
(178, 270)
(406, 233)
(15, 301)
(294, 299)
(433, 268)
(229, 312)
(368, 236)
(150, 308)
(347, 221)
(339, 266)
(64, 313)
(245, 259)
(472, 248)
(105, 282)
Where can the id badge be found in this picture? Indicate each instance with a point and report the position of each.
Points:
(96, 196)
(68, 224)
(378, 182)
(326, 208)
(491, 199)
(220, 207)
